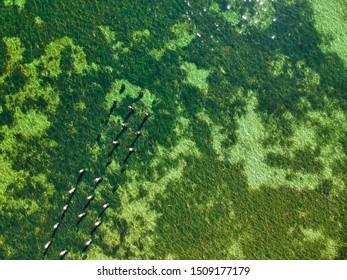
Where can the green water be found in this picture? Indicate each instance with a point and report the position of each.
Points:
(243, 155)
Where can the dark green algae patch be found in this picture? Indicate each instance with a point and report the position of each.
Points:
(243, 155)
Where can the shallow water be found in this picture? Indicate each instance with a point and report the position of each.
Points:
(242, 155)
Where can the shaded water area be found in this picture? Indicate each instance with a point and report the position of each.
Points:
(241, 108)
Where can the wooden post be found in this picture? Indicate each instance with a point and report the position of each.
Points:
(55, 228)
(96, 225)
(66, 206)
(47, 245)
(86, 245)
(81, 173)
(89, 200)
(62, 254)
(105, 207)
(81, 217)
(130, 152)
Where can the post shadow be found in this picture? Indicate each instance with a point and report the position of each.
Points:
(122, 89)
(138, 134)
(115, 188)
(131, 112)
(98, 137)
(114, 105)
(130, 152)
(123, 169)
(124, 128)
(108, 162)
(139, 97)
(145, 118)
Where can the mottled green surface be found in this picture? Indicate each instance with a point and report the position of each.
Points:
(244, 153)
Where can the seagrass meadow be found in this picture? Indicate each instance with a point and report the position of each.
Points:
(205, 129)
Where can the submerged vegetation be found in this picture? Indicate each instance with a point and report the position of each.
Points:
(208, 129)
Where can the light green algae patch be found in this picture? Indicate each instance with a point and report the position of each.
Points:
(184, 33)
(332, 151)
(33, 88)
(304, 136)
(6, 174)
(14, 52)
(39, 21)
(330, 21)
(109, 35)
(231, 16)
(140, 218)
(135, 210)
(30, 124)
(131, 91)
(258, 14)
(117, 46)
(217, 134)
(140, 35)
(52, 57)
(306, 78)
(196, 77)
(214, 8)
(250, 151)
(280, 65)
(141, 222)
(235, 251)
(329, 250)
(19, 3)
(182, 124)
(307, 136)
(169, 256)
